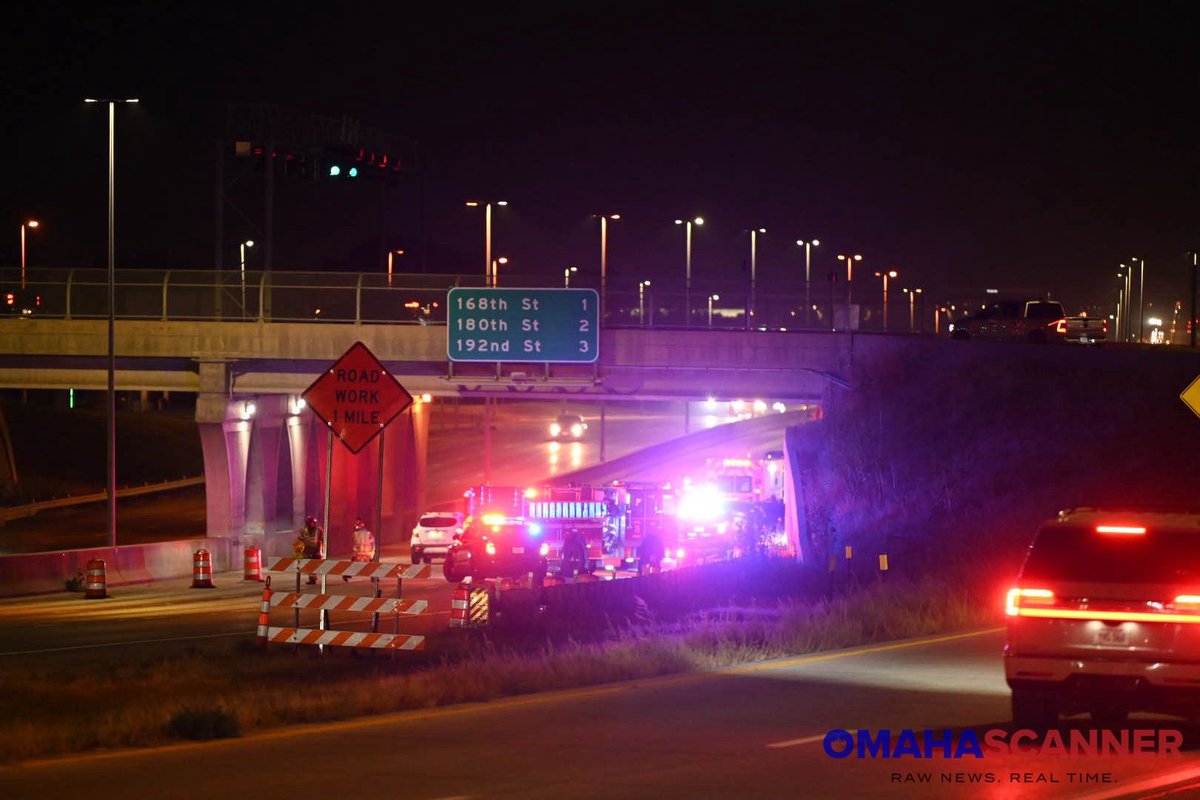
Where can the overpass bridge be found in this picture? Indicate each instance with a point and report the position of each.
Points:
(248, 344)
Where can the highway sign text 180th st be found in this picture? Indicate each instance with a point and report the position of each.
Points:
(535, 325)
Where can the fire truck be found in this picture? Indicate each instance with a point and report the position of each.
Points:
(614, 526)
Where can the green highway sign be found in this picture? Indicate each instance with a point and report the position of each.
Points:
(532, 325)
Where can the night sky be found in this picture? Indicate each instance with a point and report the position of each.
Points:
(967, 145)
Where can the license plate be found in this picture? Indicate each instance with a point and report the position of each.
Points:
(1084, 340)
(518, 551)
(1112, 637)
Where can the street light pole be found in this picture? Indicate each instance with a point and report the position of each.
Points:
(567, 276)
(849, 259)
(885, 275)
(242, 251)
(495, 270)
(711, 298)
(753, 266)
(390, 254)
(33, 223)
(604, 218)
(642, 302)
(488, 279)
(687, 285)
(808, 245)
(112, 361)
(1141, 298)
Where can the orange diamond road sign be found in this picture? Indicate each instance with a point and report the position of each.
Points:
(1191, 396)
(357, 397)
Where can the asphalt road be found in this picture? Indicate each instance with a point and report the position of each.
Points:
(751, 732)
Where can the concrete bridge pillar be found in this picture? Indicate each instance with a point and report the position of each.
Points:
(224, 426)
(268, 463)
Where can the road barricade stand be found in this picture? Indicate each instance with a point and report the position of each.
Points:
(324, 603)
(469, 607)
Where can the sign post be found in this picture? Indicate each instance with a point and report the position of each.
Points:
(523, 325)
(356, 398)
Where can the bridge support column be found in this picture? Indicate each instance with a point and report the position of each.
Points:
(263, 471)
(225, 441)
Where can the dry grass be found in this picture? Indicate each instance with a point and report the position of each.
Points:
(72, 709)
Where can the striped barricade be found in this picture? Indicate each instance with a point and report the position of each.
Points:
(349, 569)
(325, 603)
(386, 641)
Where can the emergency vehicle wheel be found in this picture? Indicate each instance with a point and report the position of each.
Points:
(451, 569)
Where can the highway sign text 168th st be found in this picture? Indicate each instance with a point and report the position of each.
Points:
(534, 325)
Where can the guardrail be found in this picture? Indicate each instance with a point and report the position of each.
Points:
(376, 298)
(20, 512)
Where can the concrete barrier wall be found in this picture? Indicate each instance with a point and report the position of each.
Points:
(43, 573)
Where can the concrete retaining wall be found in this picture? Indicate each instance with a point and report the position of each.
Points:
(43, 573)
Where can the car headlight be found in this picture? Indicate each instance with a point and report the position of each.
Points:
(577, 430)
(555, 429)
(544, 550)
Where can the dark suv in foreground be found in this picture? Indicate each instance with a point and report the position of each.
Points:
(495, 546)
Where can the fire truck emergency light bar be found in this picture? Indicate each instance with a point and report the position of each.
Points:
(567, 510)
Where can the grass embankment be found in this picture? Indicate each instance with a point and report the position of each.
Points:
(223, 690)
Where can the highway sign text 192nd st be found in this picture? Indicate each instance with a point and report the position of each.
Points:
(523, 325)
(357, 397)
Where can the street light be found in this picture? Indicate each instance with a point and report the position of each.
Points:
(567, 276)
(808, 246)
(33, 223)
(604, 218)
(753, 264)
(642, 301)
(488, 264)
(687, 286)
(112, 360)
(912, 309)
(241, 250)
(1141, 298)
(496, 272)
(891, 273)
(849, 259)
(711, 298)
(390, 254)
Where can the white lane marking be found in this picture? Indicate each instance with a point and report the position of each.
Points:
(796, 742)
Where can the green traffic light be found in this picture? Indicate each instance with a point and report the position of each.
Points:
(353, 172)
(334, 171)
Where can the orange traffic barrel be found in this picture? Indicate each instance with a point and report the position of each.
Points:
(252, 564)
(96, 585)
(202, 570)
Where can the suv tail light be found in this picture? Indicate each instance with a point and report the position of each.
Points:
(1023, 598)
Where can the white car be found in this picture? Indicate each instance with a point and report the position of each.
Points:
(433, 535)
(1105, 618)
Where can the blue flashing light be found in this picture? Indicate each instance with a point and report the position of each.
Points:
(535, 529)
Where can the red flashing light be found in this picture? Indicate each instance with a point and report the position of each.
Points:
(1121, 530)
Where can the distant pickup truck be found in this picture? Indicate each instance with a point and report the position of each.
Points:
(1030, 321)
